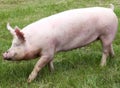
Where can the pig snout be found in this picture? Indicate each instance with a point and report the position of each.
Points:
(5, 56)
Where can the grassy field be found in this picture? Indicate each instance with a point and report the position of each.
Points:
(74, 69)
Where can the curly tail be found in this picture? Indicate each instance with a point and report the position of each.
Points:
(112, 6)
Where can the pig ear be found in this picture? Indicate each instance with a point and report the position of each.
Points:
(19, 34)
(16, 27)
(10, 29)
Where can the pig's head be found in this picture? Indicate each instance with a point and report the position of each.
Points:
(18, 47)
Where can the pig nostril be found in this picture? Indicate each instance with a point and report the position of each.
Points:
(7, 51)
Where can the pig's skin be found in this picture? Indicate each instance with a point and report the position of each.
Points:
(65, 31)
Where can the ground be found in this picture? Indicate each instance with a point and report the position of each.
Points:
(74, 69)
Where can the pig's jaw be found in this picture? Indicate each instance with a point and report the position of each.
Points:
(31, 55)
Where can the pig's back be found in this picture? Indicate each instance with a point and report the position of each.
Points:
(69, 17)
(72, 28)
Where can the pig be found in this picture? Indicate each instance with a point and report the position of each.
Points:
(64, 31)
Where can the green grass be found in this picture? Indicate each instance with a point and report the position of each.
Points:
(74, 69)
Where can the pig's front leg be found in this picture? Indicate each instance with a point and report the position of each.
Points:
(39, 65)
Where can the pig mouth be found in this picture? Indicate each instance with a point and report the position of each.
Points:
(5, 57)
(9, 59)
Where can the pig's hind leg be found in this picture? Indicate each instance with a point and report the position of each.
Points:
(51, 66)
(111, 51)
(107, 48)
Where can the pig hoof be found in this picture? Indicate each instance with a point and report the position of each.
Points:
(112, 56)
(29, 80)
(102, 64)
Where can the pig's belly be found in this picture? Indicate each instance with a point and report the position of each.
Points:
(76, 42)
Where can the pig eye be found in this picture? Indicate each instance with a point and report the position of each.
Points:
(15, 54)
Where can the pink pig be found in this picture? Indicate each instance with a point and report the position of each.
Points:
(62, 32)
